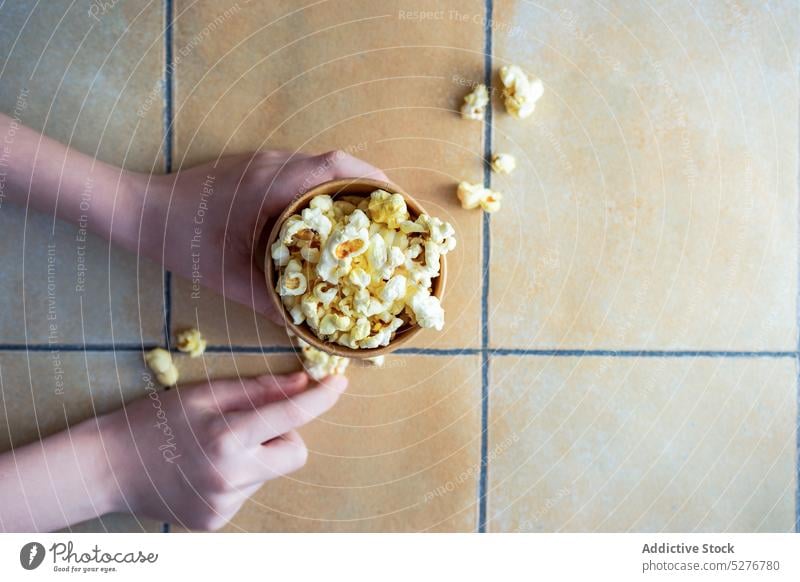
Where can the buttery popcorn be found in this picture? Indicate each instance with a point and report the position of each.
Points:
(191, 342)
(160, 362)
(520, 94)
(319, 364)
(475, 103)
(475, 195)
(503, 163)
(372, 273)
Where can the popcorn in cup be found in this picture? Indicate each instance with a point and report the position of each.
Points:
(358, 267)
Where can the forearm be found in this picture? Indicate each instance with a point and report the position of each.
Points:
(41, 173)
(60, 480)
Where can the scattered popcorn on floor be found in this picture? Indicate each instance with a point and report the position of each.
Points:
(475, 195)
(520, 94)
(357, 269)
(160, 362)
(475, 103)
(191, 342)
(503, 163)
(320, 364)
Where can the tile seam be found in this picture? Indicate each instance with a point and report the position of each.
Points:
(168, 142)
(485, 285)
(168, 70)
(644, 353)
(797, 345)
(238, 348)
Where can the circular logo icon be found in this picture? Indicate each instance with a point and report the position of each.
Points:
(31, 555)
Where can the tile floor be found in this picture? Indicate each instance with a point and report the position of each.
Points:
(621, 352)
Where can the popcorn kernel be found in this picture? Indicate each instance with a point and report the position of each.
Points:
(475, 103)
(191, 342)
(503, 163)
(160, 362)
(520, 94)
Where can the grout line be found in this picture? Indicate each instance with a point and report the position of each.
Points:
(250, 350)
(169, 67)
(76, 347)
(238, 349)
(168, 142)
(439, 352)
(645, 353)
(167, 308)
(486, 252)
(797, 371)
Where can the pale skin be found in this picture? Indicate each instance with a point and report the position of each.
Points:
(191, 456)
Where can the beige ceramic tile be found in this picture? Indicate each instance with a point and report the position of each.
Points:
(399, 452)
(675, 444)
(82, 80)
(655, 205)
(368, 77)
(42, 393)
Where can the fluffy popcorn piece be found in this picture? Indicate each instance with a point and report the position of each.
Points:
(359, 277)
(309, 305)
(427, 310)
(160, 362)
(292, 229)
(411, 227)
(322, 202)
(326, 293)
(319, 364)
(342, 246)
(469, 195)
(297, 314)
(191, 342)
(441, 232)
(474, 195)
(168, 377)
(332, 323)
(292, 284)
(503, 163)
(475, 103)
(491, 202)
(377, 254)
(317, 222)
(310, 254)
(280, 253)
(395, 258)
(520, 94)
(394, 290)
(361, 329)
(366, 305)
(388, 209)
(383, 336)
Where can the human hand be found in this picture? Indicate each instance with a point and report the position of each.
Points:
(192, 456)
(207, 220)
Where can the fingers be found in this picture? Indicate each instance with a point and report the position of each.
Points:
(335, 165)
(278, 156)
(300, 175)
(278, 418)
(280, 456)
(251, 393)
